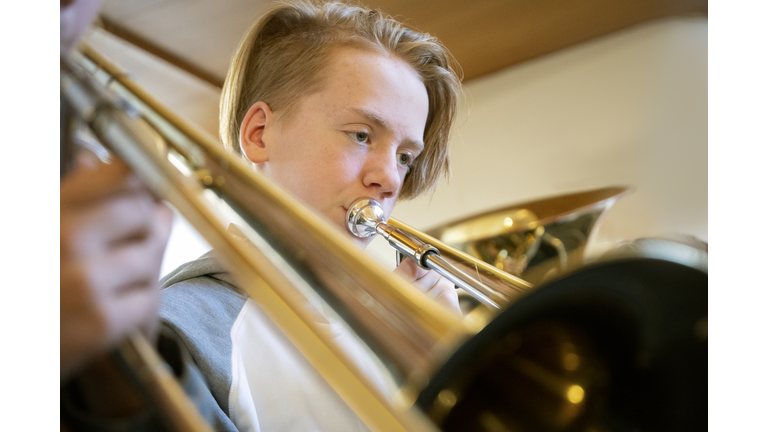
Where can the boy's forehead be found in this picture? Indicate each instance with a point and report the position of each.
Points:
(362, 85)
(363, 65)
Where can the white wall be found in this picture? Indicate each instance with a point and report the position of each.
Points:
(627, 109)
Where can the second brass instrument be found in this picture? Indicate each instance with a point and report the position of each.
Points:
(535, 240)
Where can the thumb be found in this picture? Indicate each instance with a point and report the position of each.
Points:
(409, 270)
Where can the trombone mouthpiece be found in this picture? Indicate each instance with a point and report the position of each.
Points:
(363, 217)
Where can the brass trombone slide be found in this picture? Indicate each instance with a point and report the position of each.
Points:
(534, 240)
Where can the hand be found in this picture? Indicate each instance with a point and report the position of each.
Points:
(113, 235)
(430, 283)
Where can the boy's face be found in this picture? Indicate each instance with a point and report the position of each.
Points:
(354, 138)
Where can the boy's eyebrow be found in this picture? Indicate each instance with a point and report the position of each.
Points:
(418, 145)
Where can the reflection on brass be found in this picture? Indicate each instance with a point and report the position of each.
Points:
(575, 394)
(447, 398)
(529, 372)
(492, 423)
(505, 287)
(536, 240)
(571, 361)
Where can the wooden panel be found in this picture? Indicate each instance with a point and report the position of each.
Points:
(187, 95)
(204, 33)
(484, 36)
(156, 50)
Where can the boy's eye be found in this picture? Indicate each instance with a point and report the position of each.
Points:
(359, 136)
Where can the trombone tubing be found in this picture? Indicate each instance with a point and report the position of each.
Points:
(458, 277)
(514, 286)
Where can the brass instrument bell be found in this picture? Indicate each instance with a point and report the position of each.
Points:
(535, 240)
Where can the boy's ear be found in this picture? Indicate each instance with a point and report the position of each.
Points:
(252, 144)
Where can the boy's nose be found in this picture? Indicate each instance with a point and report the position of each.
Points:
(383, 175)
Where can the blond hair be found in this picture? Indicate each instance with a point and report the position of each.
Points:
(283, 56)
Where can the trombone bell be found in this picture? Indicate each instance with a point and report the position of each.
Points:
(535, 240)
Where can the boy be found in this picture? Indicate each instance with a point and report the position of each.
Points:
(334, 103)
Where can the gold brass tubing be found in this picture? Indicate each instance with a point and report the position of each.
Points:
(508, 286)
(119, 76)
(158, 380)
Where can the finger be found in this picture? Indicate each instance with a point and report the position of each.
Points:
(164, 217)
(135, 308)
(422, 279)
(409, 270)
(86, 160)
(439, 289)
(412, 272)
(86, 185)
(104, 298)
(445, 293)
(161, 233)
(129, 296)
(93, 229)
(430, 283)
(80, 339)
(429, 280)
(125, 218)
(135, 264)
(82, 323)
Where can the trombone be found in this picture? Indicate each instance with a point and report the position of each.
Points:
(561, 357)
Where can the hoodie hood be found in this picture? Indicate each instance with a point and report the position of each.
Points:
(207, 265)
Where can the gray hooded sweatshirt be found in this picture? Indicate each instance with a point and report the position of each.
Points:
(259, 380)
